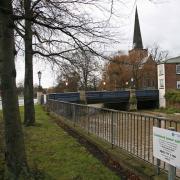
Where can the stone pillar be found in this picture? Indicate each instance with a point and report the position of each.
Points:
(83, 97)
(132, 100)
(39, 96)
(45, 98)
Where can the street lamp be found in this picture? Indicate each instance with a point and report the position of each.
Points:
(127, 83)
(104, 84)
(40, 97)
(132, 98)
(39, 76)
(66, 86)
(132, 83)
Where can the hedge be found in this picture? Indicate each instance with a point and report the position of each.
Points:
(173, 96)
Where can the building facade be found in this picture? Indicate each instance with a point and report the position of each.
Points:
(168, 78)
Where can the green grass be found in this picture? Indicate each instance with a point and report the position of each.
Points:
(168, 110)
(173, 96)
(54, 155)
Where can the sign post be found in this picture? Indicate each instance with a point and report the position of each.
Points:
(166, 147)
(172, 169)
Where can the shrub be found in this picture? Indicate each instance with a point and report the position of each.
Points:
(173, 96)
(169, 110)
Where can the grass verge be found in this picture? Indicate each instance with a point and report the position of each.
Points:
(168, 110)
(54, 155)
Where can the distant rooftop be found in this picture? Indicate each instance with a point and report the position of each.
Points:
(173, 60)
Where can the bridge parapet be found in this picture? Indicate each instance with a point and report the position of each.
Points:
(68, 96)
(106, 96)
(147, 95)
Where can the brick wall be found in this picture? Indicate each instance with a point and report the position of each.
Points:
(171, 76)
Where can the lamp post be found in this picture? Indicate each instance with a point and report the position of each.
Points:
(66, 86)
(132, 99)
(39, 92)
(104, 84)
(39, 76)
(132, 83)
(127, 83)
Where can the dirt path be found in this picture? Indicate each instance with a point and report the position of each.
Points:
(99, 154)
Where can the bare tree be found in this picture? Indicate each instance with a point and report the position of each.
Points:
(68, 80)
(52, 29)
(29, 111)
(15, 150)
(158, 54)
(85, 64)
(138, 66)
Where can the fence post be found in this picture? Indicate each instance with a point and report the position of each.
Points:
(112, 130)
(158, 160)
(171, 169)
(74, 114)
(88, 119)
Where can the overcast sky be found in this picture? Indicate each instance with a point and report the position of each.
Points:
(159, 23)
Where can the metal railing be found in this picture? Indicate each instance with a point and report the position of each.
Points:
(132, 132)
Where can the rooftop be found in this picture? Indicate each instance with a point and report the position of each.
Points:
(174, 60)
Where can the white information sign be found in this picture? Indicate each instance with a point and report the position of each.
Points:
(166, 146)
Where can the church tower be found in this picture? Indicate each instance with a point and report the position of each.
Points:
(137, 39)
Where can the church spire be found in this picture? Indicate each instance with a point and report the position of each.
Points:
(137, 39)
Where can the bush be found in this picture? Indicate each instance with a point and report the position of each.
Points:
(173, 96)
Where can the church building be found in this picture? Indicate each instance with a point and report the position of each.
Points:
(142, 60)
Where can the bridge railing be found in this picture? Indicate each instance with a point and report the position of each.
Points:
(147, 94)
(132, 132)
(105, 96)
(68, 96)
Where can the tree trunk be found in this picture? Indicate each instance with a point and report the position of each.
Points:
(29, 112)
(15, 150)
